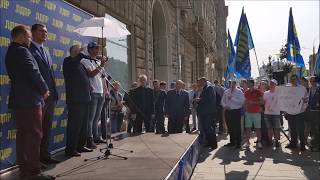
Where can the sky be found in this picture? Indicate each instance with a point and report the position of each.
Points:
(268, 21)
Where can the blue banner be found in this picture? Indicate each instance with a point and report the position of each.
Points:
(293, 49)
(60, 19)
(243, 43)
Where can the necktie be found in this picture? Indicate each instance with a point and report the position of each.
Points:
(44, 54)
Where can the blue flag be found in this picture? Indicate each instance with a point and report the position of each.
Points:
(231, 54)
(317, 63)
(243, 43)
(293, 44)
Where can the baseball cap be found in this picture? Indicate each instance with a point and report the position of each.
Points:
(274, 81)
(92, 45)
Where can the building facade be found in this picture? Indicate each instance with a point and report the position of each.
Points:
(170, 39)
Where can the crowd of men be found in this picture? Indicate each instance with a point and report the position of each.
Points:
(93, 97)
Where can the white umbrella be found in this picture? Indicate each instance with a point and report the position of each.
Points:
(102, 27)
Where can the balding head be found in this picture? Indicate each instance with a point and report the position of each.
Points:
(142, 80)
(179, 85)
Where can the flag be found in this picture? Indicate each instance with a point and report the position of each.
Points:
(317, 63)
(243, 44)
(293, 47)
(231, 54)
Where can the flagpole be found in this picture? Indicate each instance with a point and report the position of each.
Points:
(257, 61)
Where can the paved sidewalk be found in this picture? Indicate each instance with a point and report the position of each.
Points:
(252, 163)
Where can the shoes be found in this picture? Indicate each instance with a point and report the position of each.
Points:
(259, 145)
(215, 146)
(98, 141)
(91, 144)
(303, 148)
(277, 144)
(50, 160)
(291, 146)
(42, 177)
(193, 129)
(73, 154)
(229, 145)
(84, 149)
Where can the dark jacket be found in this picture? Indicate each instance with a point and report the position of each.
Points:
(46, 70)
(177, 105)
(27, 84)
(142, 98)
(207, 103)
(159, 98)
(314, 100)
(76, 80)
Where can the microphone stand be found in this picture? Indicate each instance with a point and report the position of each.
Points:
(109, 145)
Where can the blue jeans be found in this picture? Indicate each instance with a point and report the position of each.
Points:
(95, 108)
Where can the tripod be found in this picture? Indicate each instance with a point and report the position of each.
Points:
(107, 150)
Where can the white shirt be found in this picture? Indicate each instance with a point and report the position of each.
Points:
(271, 105)
(233, 99)
(96, 81)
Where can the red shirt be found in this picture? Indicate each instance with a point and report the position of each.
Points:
(252, 103)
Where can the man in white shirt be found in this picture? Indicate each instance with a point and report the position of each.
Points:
(272, 112)
(296, 120)
(94, 69)
(232, 102)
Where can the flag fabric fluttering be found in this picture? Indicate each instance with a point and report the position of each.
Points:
(230, 70)
(231, 54)
(243, 43)
(317, 63)
(293, 48)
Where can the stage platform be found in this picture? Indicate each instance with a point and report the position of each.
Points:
(154, 156)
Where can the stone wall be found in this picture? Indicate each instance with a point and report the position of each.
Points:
(195, 29)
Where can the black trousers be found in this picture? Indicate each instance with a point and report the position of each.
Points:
(159, 121)
(233, 121)
(219, 118)
(104, 118)
(207, 128)
(175, 124)
(137, 124)
(315, 128)
(47, 114)
(78, 117)
(296, 128)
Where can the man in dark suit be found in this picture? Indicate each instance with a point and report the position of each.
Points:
(77, 98)
(159, 97)
(142, 98)
(27, 94)
(177, 109)
(206, 111)
(43, 58)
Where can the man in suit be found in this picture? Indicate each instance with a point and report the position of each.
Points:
(159, 97)
(177, 109)
(77, 98)
(27, 94)
(43, 58)
(206, 111)
(142, 98)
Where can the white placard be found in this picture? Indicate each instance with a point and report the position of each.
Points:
(290, 99)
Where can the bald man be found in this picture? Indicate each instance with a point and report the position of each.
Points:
(177, 109)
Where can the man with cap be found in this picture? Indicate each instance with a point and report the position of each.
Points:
(94, 68)
(272, 112)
